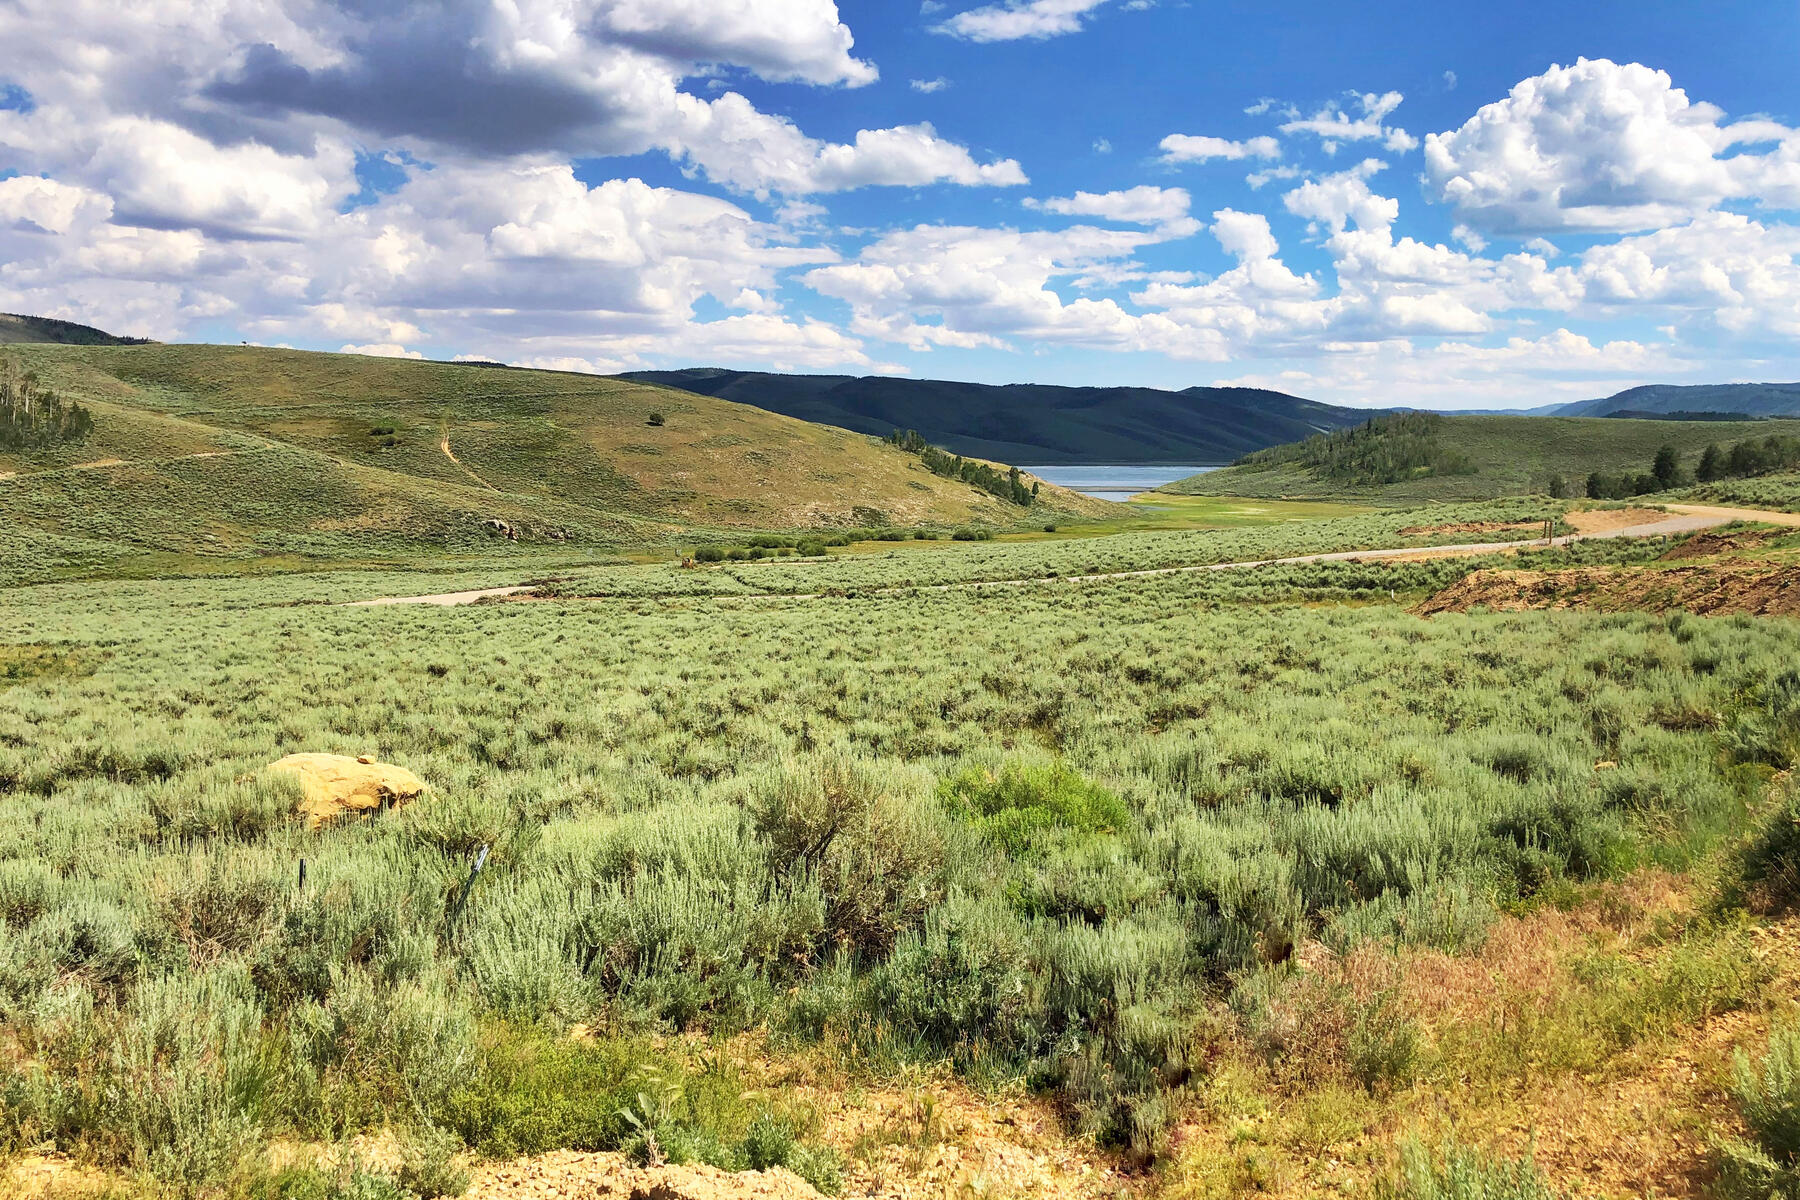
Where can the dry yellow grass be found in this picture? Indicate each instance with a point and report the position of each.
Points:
(578, 440)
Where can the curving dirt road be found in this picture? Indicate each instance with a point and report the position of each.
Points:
(444, 445)
(1685, 518)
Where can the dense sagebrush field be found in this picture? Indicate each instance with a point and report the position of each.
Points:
(1778, 492)
(1043, 834)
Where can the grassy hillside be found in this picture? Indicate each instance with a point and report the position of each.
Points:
(1032, 423)
(1470, 458)
(225, 451)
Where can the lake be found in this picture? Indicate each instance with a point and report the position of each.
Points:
(1113, 482)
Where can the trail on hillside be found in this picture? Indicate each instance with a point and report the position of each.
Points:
(1688, 518)
(444, 445)
(105, 463)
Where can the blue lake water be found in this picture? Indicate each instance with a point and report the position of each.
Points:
(1113, 483)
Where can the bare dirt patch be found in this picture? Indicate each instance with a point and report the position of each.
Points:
(936, 1139)
(1604, 520)
(447, 599)
(53, 1177)
(573, 1175)
(1710, 545)
(1755, 589)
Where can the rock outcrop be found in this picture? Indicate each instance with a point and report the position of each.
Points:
(332, 785)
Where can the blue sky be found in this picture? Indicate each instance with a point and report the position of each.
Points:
(1442, 205)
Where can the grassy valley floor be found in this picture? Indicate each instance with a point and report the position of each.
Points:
(783, 878)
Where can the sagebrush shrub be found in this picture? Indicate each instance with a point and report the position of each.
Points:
(1768, 1095)
(1460, 1172)
(868, 835)
(1768, 863)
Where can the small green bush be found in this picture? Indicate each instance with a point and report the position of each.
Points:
(964, 980)
(1768, 865)
(1464, 1173)
(1384, 1045)
(1025, 805)
(1768, 1095)
(431, 1164)
(771, 1141)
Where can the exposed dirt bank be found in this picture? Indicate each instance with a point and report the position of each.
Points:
(1710, 545)
(1757, 589)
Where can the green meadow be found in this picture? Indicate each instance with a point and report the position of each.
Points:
(1048, 838)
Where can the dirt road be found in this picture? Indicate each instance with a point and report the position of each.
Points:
(1681, 518)
(444, 445)
(443, 599)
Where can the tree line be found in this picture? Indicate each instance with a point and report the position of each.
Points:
(33, 417)
(1009, 484)
(1752, 456)
(1384, 449)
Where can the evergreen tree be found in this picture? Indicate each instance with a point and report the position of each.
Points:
(1666, 468)
(1712, 464)
(1009, 486)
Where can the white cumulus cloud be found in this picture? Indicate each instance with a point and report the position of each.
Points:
(1186, 147)
(1166, 208)
(1604, 146)
(1020, 19)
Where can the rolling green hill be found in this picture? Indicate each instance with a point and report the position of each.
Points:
(230, 453)
(1033, 423)
(1433, 457)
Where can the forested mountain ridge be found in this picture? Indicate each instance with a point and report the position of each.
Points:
(1039, 424)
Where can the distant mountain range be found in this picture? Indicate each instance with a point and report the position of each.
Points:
(1048, 425)
(1746, 399)
(1034, 424)
(1672, 402)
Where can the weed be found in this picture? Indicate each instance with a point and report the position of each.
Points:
(1460, 1172)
